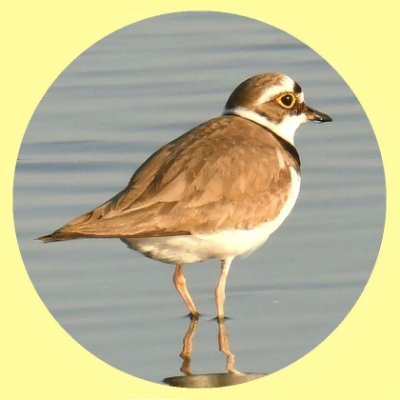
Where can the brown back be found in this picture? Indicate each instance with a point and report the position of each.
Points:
(223, 174)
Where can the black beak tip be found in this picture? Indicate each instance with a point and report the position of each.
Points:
(317, 116)
(323, 118)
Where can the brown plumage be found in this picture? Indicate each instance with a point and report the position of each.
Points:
(223, 174)
(217, 191)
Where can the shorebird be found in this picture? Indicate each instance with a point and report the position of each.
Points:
(218, 191)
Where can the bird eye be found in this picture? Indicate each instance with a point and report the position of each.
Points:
(286, 100)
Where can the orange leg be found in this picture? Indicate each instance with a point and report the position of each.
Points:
(180, 284)
(220, 289)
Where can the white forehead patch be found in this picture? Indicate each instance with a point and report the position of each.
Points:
(287, 85)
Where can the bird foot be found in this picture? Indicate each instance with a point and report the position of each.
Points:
(194, 316)
(221, 318)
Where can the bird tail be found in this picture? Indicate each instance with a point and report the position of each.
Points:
(58, 236)
(72, 230)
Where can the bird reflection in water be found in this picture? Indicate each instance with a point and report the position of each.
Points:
(231, 377)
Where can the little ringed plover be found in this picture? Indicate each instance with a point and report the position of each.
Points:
(217, 191)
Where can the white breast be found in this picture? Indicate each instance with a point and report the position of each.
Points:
(184, 249)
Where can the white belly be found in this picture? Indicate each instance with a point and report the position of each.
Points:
(184, 249)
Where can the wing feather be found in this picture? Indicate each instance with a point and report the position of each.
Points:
(213, 177)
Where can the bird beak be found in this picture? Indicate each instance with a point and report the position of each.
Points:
(317, 116)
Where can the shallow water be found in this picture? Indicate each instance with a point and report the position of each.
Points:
(116, 104)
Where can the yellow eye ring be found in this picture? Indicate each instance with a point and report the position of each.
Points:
(286, 100)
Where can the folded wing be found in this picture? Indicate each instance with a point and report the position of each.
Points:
(227, 173)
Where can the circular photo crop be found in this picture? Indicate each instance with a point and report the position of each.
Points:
(199, 199)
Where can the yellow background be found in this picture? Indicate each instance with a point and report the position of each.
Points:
(360, 360)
